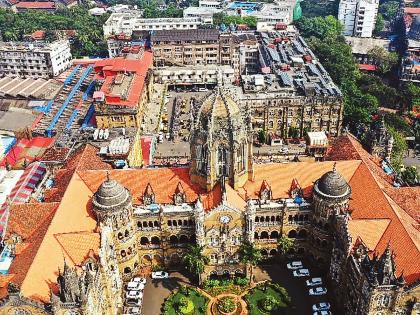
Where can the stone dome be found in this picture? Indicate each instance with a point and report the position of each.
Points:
(111, 195)
(332, 184)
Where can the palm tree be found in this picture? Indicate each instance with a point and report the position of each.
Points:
(285, 244)
(195, 261)
(250, 255)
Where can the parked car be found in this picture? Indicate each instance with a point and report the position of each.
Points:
(323, 306)
(134, 302)
(134, 294)
(318, 291)
(295, 265)
(139, 279)
(134, 310)
(160, 275)
(301, 273)
(314, 282)
(135, 286)
(322, 313)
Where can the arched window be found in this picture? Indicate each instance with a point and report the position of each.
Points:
(123, 253)
(174, 223)
(273, 218)
(274, 235)
(257, 219)
(156, 223)
(190, 222)
(262, 219)
(144, 224)
(169, 223)
(155, 240)
(303, 233)
(150, 224)
(127, 270)
(120, 236)
(222, 161)
(144, 241)
(264, 252)
(290, 219)
(139, 224)
(173, 240)
(179, 222)
(292, 234)
(256, 236)
(278, 219)
(185, 222)
(273, 252)
(264, 235)
(126, 234)
(183, 239)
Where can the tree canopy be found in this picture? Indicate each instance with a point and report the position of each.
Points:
(195, 260)
(250, 255)
(89, 39)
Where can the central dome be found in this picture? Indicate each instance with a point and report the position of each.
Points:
(111, 194)
(333, 184)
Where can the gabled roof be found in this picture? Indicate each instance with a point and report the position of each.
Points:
(78, 245)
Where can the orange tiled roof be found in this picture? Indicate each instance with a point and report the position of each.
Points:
(164, 182)
(369, 202)
(24, 219)
(369, 230)
(77, 245)
(408, 198)
(342, 149)
(279, 175)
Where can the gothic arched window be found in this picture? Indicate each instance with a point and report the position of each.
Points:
(222, 162)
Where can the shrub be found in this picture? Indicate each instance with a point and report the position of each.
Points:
(185, 306)
(269, 303)
(159, 268)
(226, 304)
(211, 283)
(241, 281)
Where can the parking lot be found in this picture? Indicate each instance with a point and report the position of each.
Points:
(157, 290)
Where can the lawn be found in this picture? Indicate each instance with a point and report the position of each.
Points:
(268, 299)
(173, 304)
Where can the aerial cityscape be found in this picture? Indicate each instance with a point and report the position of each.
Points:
(210, 157)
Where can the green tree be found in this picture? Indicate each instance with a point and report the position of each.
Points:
(262, 136)
(285, 244)
(320, 27)
(399, 148)
(250, 256)
(389, 10)
(410, 176)
(195, 260)
(293, 132)
(379, 24)
(384, 59)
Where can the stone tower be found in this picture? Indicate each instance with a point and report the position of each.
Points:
(112, 204)
(221, 142)
(331, 194)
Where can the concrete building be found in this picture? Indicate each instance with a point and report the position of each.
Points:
(205, 14)
(358, 17)
(195, 47)
(214, 4)
(127, 22)
(194, 75)
(34, 59)
(126, 87)
(291, 89)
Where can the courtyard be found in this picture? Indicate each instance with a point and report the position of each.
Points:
(157, 291)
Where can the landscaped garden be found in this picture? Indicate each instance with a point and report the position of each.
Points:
(233, 286)
(185, 301)
(268, 298)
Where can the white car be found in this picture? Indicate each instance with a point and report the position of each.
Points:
(301, 273)
(139, 279)
(318, 291)
(323, 306)
(160, 275)
(295, 265)
(314, 282)
(134, 294)
(134, 310)
(322, 313)
(135, 286)
(134, 302)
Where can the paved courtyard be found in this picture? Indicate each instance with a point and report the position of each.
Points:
(157, 290)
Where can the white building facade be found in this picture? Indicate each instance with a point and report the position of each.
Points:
(127, 22)
(34, 60)
(358, 17)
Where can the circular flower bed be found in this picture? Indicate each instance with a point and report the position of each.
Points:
(185, 306)
(267, 298)
(226, 305)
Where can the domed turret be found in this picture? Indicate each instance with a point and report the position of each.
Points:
(111, 195)
(221, 142)
(332, 184)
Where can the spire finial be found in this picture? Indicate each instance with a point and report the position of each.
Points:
(335, 167)
(108, 177)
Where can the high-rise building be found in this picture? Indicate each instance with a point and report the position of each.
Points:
(358, 17)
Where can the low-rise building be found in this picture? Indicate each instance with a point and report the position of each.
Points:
(361, 46)
(205, 14)
(45, 6)
(316, 144)
(126, 87)
(195, 47)
(194, 75)
(127, 22)
(34, 59)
